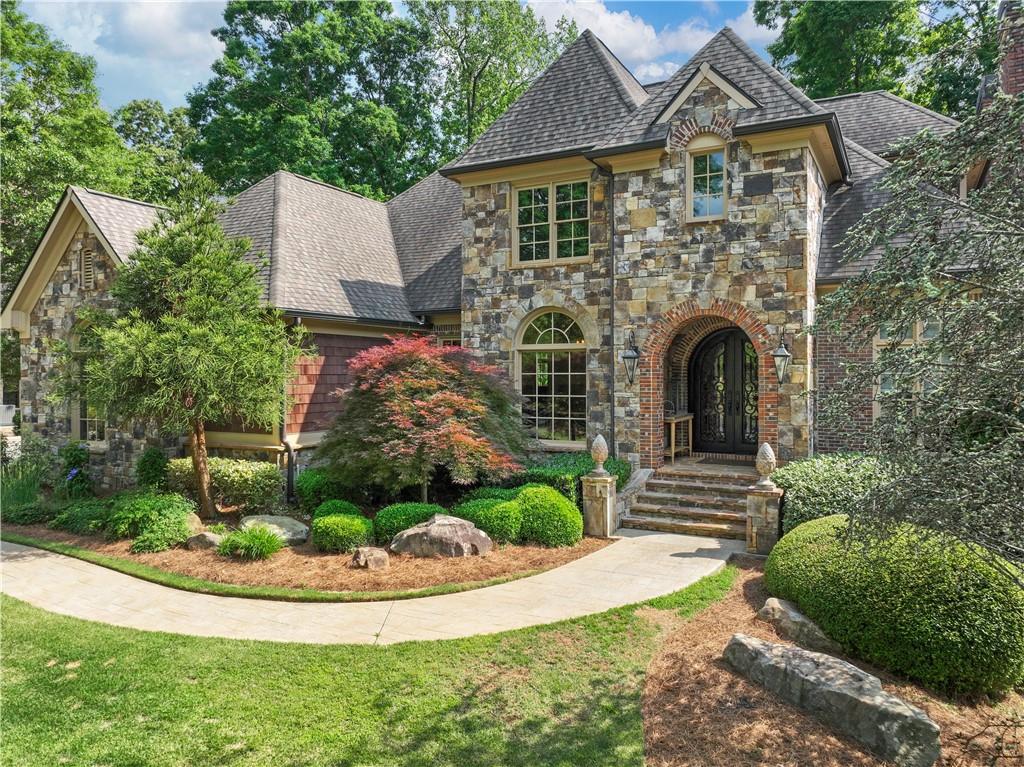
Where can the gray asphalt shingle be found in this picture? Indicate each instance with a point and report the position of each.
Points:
(117, 218)
(878, 119)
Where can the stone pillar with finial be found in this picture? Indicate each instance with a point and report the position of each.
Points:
(763, 500)
(599, 494)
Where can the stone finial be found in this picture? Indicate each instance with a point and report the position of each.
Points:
(766, 464)
(599, 452)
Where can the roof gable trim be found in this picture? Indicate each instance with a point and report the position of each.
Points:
(706, 72)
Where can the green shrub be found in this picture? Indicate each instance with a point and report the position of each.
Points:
(151, 471)
(341, 532)
(549, 518)
(501, 520)
(564, 472)
(74, 480)
(35, 513)
(314, 486)
(20, 483)
(255, 485)
(82, 517)
(327, 508)
(218, 528)
(501, 493)
(929, 608)
(256, 542)
(156, 521)
(824, 485)
(391, 520)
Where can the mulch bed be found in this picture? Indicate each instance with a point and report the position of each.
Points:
(697, 712)
(303, 567)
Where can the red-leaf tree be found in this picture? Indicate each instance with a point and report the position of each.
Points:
(414, 407)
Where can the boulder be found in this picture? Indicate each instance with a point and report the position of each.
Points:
(371, 558)
(204, 540)
(797, 627)
(841, 696)
(289, 530)
(195, 524)
(442, 536)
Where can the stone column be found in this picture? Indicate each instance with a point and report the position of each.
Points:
(599, 495)
(763, 505)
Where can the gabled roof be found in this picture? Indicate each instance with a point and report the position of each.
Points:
(878, 119)
(578, 102)
(779, 99)
(118, 219)
(426, 221)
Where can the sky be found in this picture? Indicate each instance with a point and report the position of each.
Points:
(161, 50)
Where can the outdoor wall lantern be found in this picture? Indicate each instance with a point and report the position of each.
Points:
(631, 357)
(781, 357)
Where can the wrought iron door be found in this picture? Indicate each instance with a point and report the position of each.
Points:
(723, 390)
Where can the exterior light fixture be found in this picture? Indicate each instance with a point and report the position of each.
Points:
(781, 358)
(631, 357)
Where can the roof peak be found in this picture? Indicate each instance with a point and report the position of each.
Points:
(112, 196)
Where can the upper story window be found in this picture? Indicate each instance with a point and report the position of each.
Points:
(706, 185)
(552, 222)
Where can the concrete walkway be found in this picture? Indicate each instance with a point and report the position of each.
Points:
(639, 566)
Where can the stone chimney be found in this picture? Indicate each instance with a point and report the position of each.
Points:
(1011, 46)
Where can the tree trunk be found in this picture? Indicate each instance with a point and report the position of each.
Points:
(202, 470)
(423, 490)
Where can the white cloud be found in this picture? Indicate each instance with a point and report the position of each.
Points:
(748, 30)
(655, 71)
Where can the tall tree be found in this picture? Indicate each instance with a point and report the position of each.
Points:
(190, 340)
(831, 48)
(333, 90)
(947, 286)
(158, 139)
(490, 51)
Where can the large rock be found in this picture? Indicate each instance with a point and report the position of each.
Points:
(841, 696)
(797, 627)
(442, 536)
(371, 558)
(289, 530)
(204, 540)
(195, 524)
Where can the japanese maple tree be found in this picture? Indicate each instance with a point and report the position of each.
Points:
(415, 407)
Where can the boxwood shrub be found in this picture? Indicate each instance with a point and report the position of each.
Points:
(156, 521)
(564, 472)
(825, 485)
(931, 609)
(393, 519)
(256, 542)
(341, 532)
(501, 520)
(314, 486)
(327, 508)
(255, 485)
(549, 518)
(501, 493)
(151, 470)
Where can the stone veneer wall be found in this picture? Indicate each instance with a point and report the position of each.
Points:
(54, 317)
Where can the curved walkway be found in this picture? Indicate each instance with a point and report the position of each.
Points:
(639, 566)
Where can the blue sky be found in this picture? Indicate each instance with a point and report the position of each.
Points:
(161, 50)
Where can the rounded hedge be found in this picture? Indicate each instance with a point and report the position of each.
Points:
(393, 519)
(930, 609)
(501, 520)
(549, 518)
(328, 508)
(314, 486)
(151, 470)
(341, 532)
(825, 485)
(500, 493)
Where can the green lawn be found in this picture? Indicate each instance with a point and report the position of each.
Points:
(81, 693)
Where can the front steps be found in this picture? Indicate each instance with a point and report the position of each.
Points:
(694, 499)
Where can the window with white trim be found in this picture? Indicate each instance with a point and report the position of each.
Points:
(92, 422)
(552, 364)
(706, 182)
(552, 222)
(886, 385)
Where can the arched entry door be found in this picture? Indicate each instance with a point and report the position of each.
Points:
(723, 391)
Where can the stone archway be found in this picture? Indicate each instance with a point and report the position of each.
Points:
(652, 373)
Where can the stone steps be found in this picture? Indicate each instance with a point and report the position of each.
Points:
(685, 527)
(695, 513)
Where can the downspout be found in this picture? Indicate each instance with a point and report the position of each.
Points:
(610, 207)
(289, 450)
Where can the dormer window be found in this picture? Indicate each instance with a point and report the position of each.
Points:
(706, 185)
(552, 223)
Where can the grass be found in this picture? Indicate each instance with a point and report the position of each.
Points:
(279, 593)
(19, 484)
(568, 693)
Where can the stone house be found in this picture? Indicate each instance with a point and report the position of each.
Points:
(638, 258)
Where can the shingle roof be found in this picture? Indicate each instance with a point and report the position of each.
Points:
(844, 208)
(251, 214)
(117, 218)
(426, 221)
(877, 119)
(575, 104)
(729, 55)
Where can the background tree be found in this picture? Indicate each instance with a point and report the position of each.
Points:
(333, 90)
(190, 340)
(490, 51)
(948, 287)
(158, 139)
(831, 48)
(415, 407)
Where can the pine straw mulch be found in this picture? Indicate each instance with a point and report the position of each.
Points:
(698, 713)
(303, 567)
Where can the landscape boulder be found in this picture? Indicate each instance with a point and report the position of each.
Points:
(203, 540)
(289, 530)
(797, 627)
(195, 524)
(442, 536)
(841, 696)
(371, 558)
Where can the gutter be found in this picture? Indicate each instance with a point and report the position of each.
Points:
(298, 313)
(449, 172)
(829, 120)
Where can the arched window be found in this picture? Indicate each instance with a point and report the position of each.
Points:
(553, 378)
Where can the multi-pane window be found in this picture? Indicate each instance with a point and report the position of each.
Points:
(553, 378)
(92, 424)
(922, 332)
(553, 222)
(707, 184)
